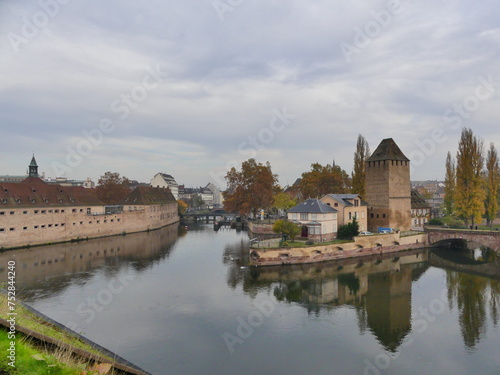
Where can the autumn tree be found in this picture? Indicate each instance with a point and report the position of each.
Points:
(182, 207)
(491, 184)
(322, 180)
(359, 171)
(285, 227)
(250, 189)
(111, 188)
(283, 201)
(469, 193)
(449, 189)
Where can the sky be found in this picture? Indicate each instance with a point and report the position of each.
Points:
(194, 87)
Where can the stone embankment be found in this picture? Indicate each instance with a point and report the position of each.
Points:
(361, 246)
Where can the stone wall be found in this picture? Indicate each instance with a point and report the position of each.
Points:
(361, 246)
(29, 226)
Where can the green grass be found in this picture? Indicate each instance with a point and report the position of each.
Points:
(33, 360)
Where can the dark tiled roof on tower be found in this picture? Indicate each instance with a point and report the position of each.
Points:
(387, 150)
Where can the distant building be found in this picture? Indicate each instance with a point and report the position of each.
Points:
(317, 219)
(349, 206)
(218, 199)
(420, 211)
(388, 190)
(63, 181)
(163, 180)
(205, 194)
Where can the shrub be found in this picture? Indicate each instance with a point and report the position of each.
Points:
(436, 221)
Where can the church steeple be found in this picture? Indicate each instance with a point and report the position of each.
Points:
(33, 168)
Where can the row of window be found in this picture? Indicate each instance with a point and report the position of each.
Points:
(56, 211)
(43, 226)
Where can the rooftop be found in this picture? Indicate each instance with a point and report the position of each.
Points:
(312, 206)
(388, 150)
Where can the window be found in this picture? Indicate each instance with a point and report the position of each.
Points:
(43, 211)
(314, 217)
(50, 211)
(383, 215)
(356, 203)
(350, 215)
(25, 228)
(294, 216)
(25, 212)
(62, 211)
(11, 229)
(56, 211)
(43, 226)
(362, 214)
(2, 212)
(88, 211)
(12, 212)
(2, 229)
(303, 216)
(336, 204)
(73, 210)
(50, 225)
(35, 227)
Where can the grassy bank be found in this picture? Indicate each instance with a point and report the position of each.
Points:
(32, 357)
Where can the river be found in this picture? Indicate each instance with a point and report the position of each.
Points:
(177, 301)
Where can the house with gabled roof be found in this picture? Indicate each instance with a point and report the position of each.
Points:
(164, 180)
(349, 207)
(317, 220)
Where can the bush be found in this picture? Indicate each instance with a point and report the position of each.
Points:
(435, 221)
(309, 242)
(348, 231)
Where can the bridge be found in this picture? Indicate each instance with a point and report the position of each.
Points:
(489, 238)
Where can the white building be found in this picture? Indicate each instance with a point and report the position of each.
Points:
(163, 180)
(317, 219)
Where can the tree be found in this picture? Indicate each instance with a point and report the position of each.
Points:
(283, 201)
(469, 194)
(182, 207)
(348, 231)
(286, 227)
(491, 184)
(359, 171)
(322, 180)
(196, 201)
(111, 188)
(250, 189)
(450, 182)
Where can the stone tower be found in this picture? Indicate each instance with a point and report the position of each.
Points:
(388, 188)
(33, 168)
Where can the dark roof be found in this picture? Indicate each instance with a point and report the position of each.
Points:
(143, 195)
(33, 192)
(312, 206)
(418, 201)
(344, 199)
(387, 150)
(33, 162)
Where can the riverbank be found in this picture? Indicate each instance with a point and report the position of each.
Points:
(361, 246)
(35, 344)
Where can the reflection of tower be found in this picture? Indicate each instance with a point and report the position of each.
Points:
(388, 305)
(388, 190)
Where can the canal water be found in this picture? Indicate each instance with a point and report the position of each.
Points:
(177, 301)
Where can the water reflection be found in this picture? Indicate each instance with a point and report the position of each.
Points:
(379, 290)
(48, 270)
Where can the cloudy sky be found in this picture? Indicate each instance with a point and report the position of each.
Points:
(193, 87)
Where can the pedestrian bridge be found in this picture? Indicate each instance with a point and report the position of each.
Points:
(489, 238)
